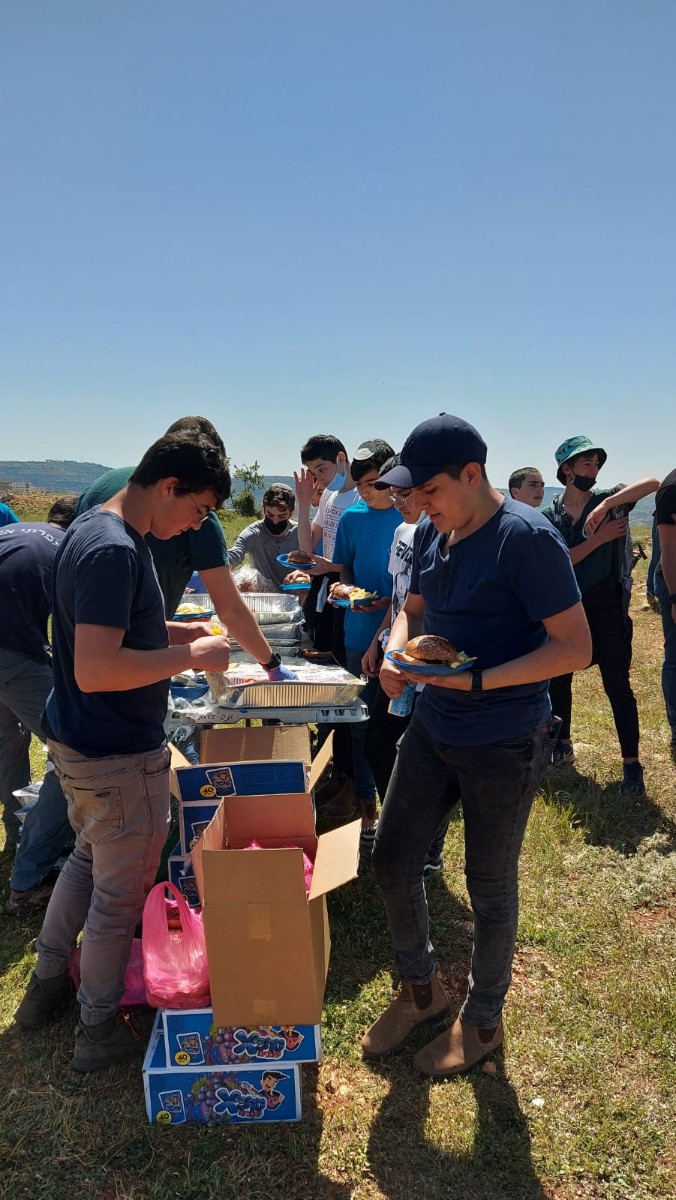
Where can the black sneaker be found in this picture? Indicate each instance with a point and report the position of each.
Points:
(42, 999)
(106, 1044)
(433, 866)
(28, 901)
(632, 780)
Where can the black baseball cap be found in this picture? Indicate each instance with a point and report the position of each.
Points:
(435, 444)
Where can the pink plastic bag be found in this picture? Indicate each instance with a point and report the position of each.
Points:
(174, 959)
(308, 865)
(134, 993)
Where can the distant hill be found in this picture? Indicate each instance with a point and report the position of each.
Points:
(63, 475)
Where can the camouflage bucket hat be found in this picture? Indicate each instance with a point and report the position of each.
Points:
(574, 446)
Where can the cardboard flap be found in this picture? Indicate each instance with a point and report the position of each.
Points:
(285, 817)
(321, 762)
(255, 743)
(213, 838)
(248, 879)
(337, 859)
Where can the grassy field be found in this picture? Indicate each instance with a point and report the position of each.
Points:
(579, 1106)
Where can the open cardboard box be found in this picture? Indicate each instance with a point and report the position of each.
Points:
(243, 761)
(268, 942)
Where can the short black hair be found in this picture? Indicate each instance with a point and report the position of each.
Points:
(517, 478)
(279, 494)
(63, 511)
(322, 445)
(198, 425)
(378, 454)
(390, 464)
(192, 458)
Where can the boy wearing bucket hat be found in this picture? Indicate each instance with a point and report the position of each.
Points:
(594, 524)
(493, 577)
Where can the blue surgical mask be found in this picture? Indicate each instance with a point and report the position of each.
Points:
(337, 483)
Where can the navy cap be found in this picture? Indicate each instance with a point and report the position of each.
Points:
(433, 445)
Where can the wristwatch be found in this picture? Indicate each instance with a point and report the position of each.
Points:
(275, 661)
(476, 691)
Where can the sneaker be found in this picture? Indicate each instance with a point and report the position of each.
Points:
(42, 999)
(414, 1005)
(28, 901)
(98, 1047)
(632, 779)
(368, 833)
(433, 866)
(562, 754)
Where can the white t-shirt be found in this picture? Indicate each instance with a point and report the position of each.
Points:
(331, 507)
(401, 561)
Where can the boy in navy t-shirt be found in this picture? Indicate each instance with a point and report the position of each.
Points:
(113, 657)
(494, 578)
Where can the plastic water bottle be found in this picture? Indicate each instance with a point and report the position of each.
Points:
(402, 706)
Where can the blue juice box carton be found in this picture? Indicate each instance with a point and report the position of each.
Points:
(201, 1095)
(181, 874)
(192, 1037)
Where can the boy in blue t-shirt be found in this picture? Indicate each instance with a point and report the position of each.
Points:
(494, 578)
(363, 542)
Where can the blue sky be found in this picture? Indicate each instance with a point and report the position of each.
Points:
(295, 216)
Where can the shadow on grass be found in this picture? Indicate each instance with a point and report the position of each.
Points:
(404, 1162)
(361, 944)
(608, 816)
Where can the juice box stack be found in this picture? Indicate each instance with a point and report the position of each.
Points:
(266, 929)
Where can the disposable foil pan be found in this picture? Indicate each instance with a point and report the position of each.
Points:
(272, 607)
(316, 685)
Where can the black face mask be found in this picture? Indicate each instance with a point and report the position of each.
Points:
(276, 526)
(583, 483)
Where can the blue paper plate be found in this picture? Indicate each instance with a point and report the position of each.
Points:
(357, 603)
(194, 616)
(294, 566)
(295, 587)
(428, 668)
(189, 693)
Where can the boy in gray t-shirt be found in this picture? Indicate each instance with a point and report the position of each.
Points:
(275, 534)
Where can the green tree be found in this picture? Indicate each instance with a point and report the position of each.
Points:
(245, 502)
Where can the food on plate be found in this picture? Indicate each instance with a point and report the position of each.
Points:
(358, 593)
(297, 577)
(431, 650)
(341, 591)
(300, 556)
(183, 609)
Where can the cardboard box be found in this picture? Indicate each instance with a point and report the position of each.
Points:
(244, 761)
(193, 1038)
(217, 1095)
(181, 873)
(268, 942)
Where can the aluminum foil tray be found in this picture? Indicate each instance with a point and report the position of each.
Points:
(251, 688)
(272, 607)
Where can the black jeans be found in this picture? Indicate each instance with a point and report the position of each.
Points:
(611, 651)
(496, 784)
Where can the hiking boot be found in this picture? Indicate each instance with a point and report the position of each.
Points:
(457, 1050)
(433, 866)
(28, 901)
(415, 1004)
(563, 754)
(106, 1044)
(42, 999)
(343, 807)
(632, 780)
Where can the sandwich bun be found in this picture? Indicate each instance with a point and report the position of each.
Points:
(429, 648)
(300, 556)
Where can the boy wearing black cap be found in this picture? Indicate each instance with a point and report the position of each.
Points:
(593, 524)
(494, 578)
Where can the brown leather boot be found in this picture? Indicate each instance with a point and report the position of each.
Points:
(457, 1050)
(415, 1004)
(343, 807)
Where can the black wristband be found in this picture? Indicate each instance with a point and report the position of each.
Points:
(477, 689)
(275, 661)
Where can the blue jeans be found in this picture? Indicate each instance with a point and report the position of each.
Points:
(654, 559)
(496, 784)
(24, 688)
(364, 783)
(669, 661)
(119, 808)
